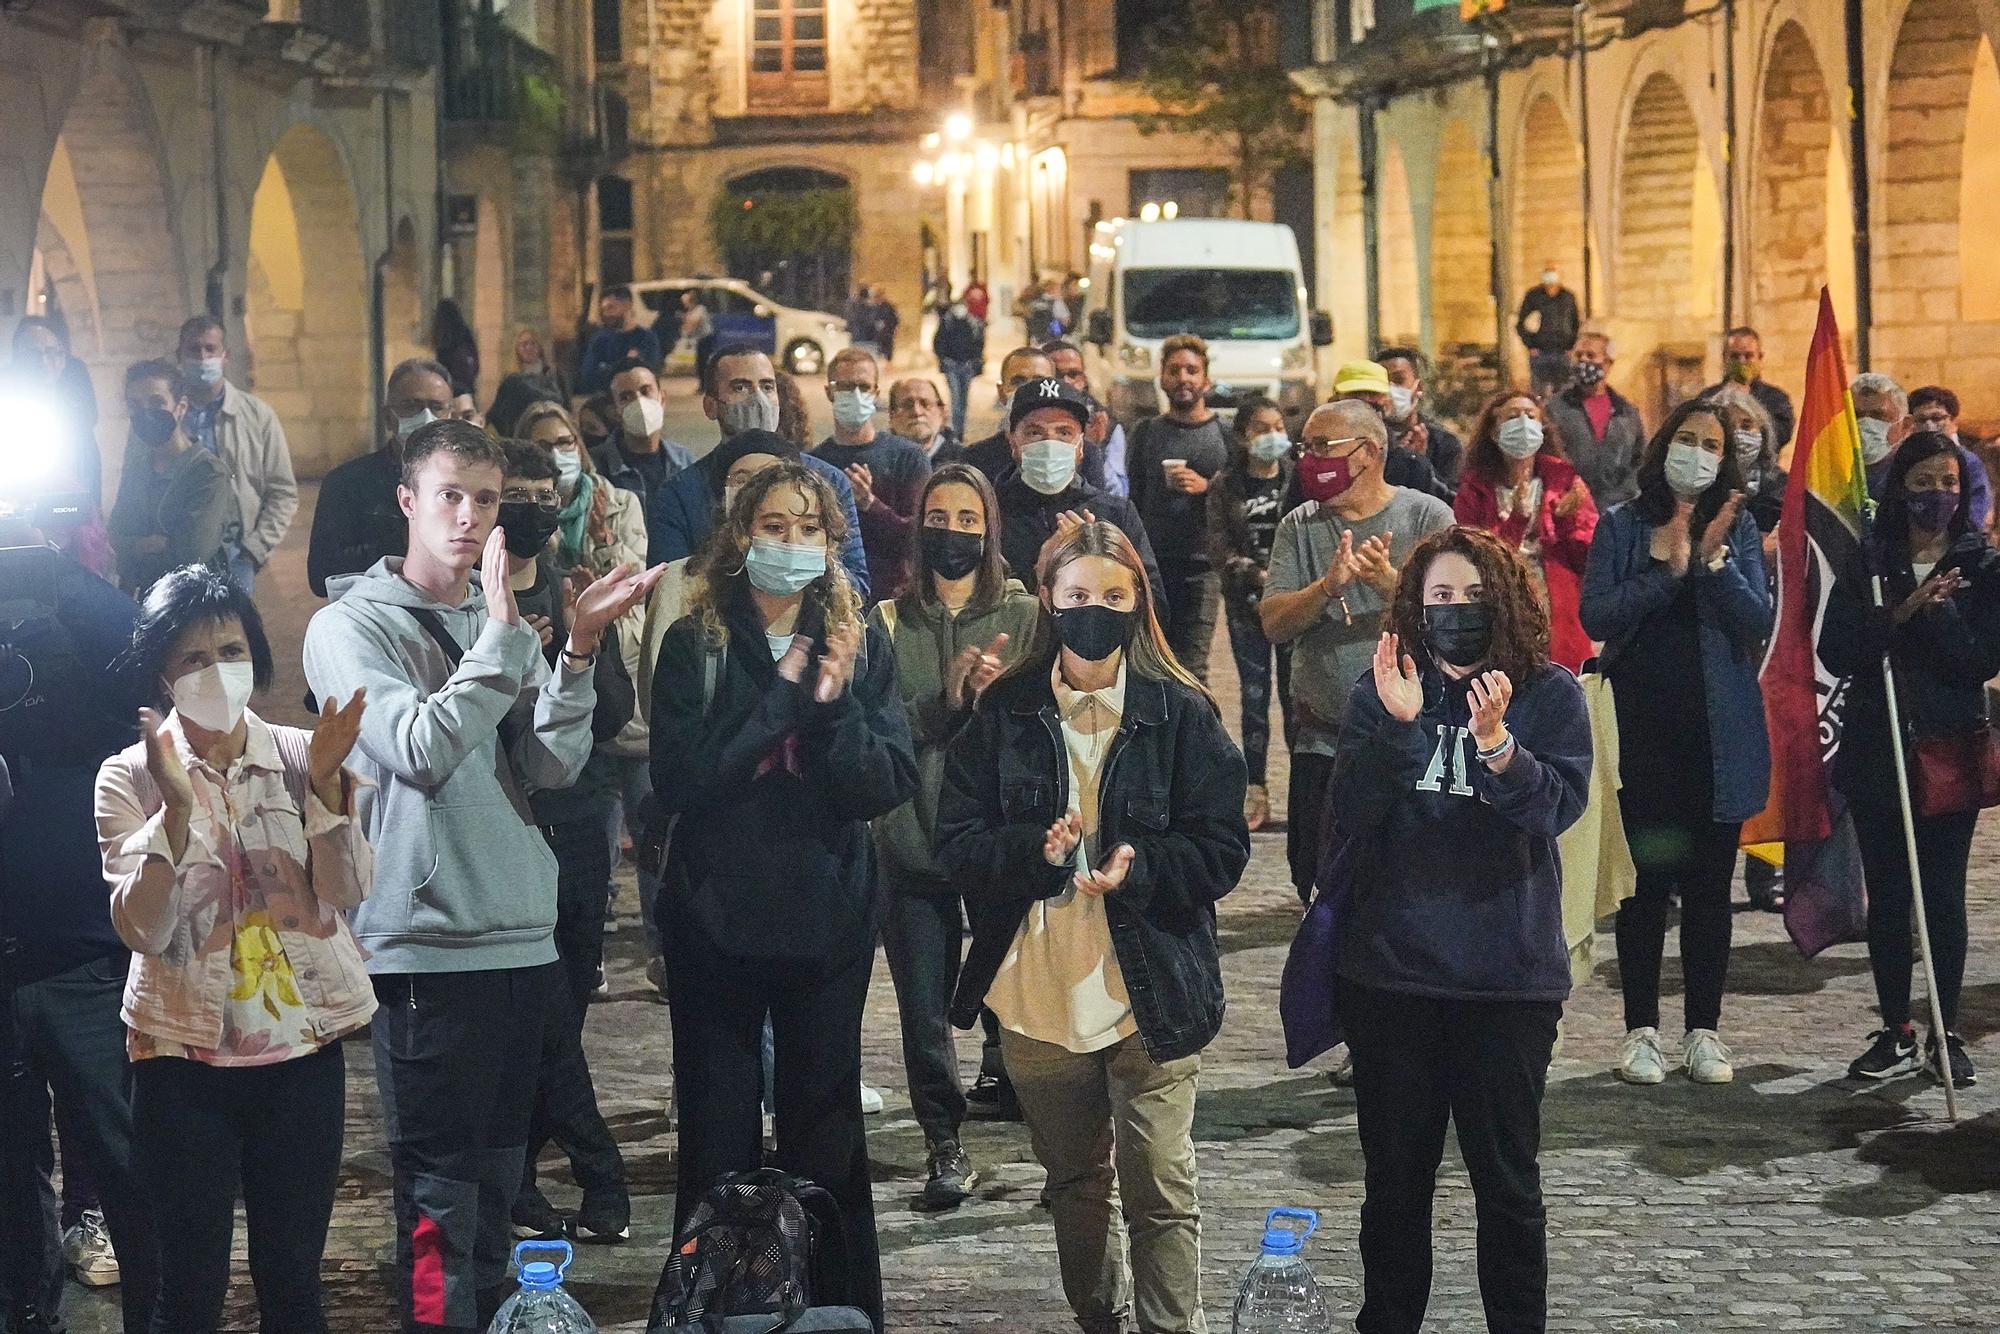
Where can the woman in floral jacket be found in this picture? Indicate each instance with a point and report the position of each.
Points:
(232, 851)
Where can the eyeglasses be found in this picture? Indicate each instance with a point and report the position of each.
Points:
(1325, 448)
(521, 496)
(560, 442)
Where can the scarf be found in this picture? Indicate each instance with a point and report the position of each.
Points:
(574, 521)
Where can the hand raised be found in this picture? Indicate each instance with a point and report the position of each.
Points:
(836, 663)
(163, 762)
(862, 478)
(332, 742)
(1106, 879)
(1396, 682)
(500, 605)
(987, 667)
(1717, 533)
(1372, 563)
(1340, 571)
(1059, 843)
(1491, 693)
(1930, 593)
(606, 600)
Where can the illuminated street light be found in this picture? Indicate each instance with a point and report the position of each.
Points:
(1170, 210)
(958, 126)
(1149, 212)
(986, 155)
(924, 172)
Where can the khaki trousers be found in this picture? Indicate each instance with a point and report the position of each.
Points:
(1087, 1113)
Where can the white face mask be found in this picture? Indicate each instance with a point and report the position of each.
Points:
(1690, 469)
(852, 408)
(568, 467)
(213, 697)
(1550, 278)
(1048, 465)
(1520, 437)
(1874, 440)
(407, 426)
(1270, 446)
(643, 417)
(206, 369)
(1402, 401)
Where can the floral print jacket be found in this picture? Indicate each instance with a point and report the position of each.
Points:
(244, 956)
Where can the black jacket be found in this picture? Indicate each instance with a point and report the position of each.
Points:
(1777, 404)
(1943, 658)
(1456, 890)
(766, 861)
(1028, 518)
(357, 521)
(1172, 787)
(596, 787)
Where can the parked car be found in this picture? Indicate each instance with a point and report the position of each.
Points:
(800, 341)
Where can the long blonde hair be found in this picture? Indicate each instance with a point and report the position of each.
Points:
(716, 571)
(537, 413)
(1147, 653)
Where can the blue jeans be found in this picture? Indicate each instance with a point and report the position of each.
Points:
(1254, 655)
(958, 377)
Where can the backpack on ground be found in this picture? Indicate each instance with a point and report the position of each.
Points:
(759, 1244)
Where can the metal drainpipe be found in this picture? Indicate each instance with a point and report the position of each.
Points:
(215, 295)
(1583, 126)
(1371, 231)
(1496, 275)
(1728, 165)
(1857, 151)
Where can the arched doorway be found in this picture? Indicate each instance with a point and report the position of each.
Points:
(1548, 217)
(1461, 287)
(1801, 229)
(1669, 236)
(1937, 297)
(790, 231)
(306, 302)
(1396, 252)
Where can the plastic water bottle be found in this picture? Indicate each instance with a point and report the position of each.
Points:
(541, 1306)
(1278, 1295)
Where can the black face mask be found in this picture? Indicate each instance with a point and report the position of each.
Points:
(153, 427)
(1459, 633)
(529, 526)
(1093, 633)
(952, 554)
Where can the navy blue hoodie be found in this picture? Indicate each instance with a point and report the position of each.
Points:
(1456, 886)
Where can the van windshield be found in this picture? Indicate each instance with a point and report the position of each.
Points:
(1211, 303)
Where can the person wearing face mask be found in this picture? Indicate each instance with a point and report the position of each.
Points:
(358, 520)
(1464, 754)
(1041, 491)
(1368, 382)
(1743, 362)
(959, 621)
(1939, 626)
(777, 734)
(1676, 591)
(1518, 486)
(240, 429)
(1333, 570)
(1092, 814)
(1410, 427)
(1601, 431)
(960, 345)
(741, 391)
(573, 820)
(1876, 398)
(1172, 463)
(1547, 325)
(1244, 506)
(994, 455)
(234, 850)
(886, 471)
(173, 501)
(638, 457)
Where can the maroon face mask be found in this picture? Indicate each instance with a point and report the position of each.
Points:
(1322, 478)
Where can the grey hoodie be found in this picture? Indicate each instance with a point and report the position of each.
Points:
(463, 878)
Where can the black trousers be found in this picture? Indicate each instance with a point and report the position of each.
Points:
(565, 1096)
(923, 934)
(1696, 861)
(1482, 1066)
(1193, 596)
(1944, 844)
(457, 1058)
(1254, 656)
(200, 1132)
(1305, 817)
(719, 1005)
(67, 1037)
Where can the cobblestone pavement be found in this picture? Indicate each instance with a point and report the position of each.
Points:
(1785, 1201)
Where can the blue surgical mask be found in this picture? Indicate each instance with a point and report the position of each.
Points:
(852, 408)
(1270, 446)
(782, 569)
(208, 370)
(569, 467)
(1519, 437)
(1690, 469)
(1048, 465)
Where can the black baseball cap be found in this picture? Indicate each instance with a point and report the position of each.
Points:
(1048, 393)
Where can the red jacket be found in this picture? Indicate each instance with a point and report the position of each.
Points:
(1565, 543)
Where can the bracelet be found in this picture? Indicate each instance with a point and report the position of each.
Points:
(586, 659)
(1498, 752)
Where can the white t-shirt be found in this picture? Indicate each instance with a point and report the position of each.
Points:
(1060, 981)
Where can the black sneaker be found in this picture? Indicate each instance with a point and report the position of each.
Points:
(536, 1219)
(952, 1179)
(604, 1219)
(1962, 1073)
(994, 1096)
(1893, 1054)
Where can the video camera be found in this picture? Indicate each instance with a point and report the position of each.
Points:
(33, 486)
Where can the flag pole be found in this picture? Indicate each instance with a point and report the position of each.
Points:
(1916, 877)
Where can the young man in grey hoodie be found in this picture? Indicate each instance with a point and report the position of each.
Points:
(464, 718)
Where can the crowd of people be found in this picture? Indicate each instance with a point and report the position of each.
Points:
(894, 687)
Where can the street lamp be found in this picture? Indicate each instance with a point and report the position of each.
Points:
(958, 126)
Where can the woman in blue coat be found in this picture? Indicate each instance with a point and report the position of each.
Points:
(1676, 590)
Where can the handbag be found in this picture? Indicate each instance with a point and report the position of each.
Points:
(1957, 772)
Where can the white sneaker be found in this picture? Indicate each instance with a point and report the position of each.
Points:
(87, 1251)
(1640, 1060)
(1706, 1057)
(871, 1102)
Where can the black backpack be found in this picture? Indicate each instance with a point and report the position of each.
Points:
(760, 1244)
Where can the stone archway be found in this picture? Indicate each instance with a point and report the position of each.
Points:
(1936, 297)
(1664, 296)
(306, 302)
(1396, 252)
(1461, 275)
(1548, 218)
(804, 240)
(1801, 228)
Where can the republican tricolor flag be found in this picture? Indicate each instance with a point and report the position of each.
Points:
(1805, 824)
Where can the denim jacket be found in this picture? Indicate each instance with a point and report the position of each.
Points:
(1172, 787)
(313, 864)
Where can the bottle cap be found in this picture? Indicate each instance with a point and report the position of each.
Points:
(540, 1275)
(1280, 1240)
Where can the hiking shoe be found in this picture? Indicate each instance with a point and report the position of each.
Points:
(994, 1096)
(87, 1251)
(1962, 1073)
(536, 1219)
(1640, 1060)
(604, 1218)
(951, 1180)
(871, 1101)
(1891, 1053)
(1705, 1057)
(1256, 806)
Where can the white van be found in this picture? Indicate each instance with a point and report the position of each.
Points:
(1236, 284)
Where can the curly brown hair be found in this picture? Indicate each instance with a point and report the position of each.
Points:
(716, 571)
(1482, 453)
(1520, 620)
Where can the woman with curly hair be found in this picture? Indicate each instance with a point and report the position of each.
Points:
(1518, 485)
(777, 734)
(1462, 757)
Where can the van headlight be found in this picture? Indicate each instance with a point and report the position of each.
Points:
(1135, 357)
(1297, 357)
